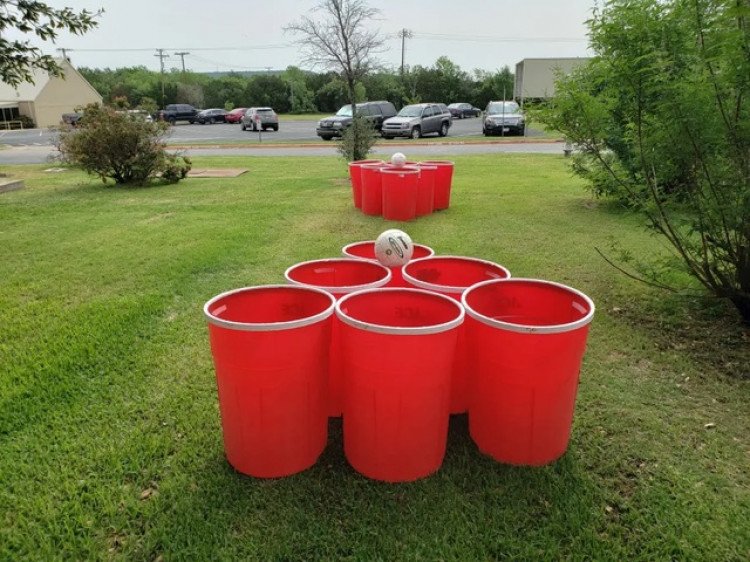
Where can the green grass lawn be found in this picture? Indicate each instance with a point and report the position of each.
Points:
(110, 440)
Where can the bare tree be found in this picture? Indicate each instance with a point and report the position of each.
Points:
(334, 37)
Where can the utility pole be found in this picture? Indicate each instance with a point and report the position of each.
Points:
(182, 54)
(162, 56)
(404, 34)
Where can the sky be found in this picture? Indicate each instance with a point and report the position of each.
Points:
(238, 35)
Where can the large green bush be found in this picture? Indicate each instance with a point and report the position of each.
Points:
(123, 146)
(662, 116)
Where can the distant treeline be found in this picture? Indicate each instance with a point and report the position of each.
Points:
(299, 91)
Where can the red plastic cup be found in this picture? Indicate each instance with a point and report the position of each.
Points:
(398, 348)
(355, 175)
(270, 350)
(443, 182)
(426, 189)
(366, 251)
(338, 276)
(399, 187)
(451, 276)
(527, 339)
(372, 189)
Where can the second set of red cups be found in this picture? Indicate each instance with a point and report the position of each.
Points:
(401, 193)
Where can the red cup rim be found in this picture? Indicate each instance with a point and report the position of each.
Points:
(446, 288)
(268, 326)
(364, 162)
(400, 330)
(526, 328)
(346, 248)
(337, 289)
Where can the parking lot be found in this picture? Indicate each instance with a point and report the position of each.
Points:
(289, 131)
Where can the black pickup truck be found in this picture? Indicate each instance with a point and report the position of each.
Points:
(178, 112)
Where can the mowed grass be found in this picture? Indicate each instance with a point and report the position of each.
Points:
(110, 439)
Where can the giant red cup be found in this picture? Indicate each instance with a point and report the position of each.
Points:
(526, 340)
(443, 182)
(398, 347)
(372, 189)
(399, 187)
(270, 350)
(355, 175)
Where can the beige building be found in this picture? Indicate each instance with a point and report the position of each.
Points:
(48, 97)
(535, 78)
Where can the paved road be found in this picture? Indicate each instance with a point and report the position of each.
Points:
(41, 154)
(289, 131)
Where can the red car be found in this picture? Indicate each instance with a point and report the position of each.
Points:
(235, 115)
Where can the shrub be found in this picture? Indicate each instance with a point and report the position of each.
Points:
(663, 109)
(122, 146)
(26, 121)
(358, 140)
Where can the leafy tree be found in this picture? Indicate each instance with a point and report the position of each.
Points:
(148, 105)
(384, 86)
(267, 90)
(341, 42)
(121, 146)
(190, 93)
(663, 111)
(300, 96)
(491, 86)
(18, 59)
(230, 88)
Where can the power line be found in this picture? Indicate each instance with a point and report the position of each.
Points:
(144, 49)
(217, 64)
(496, 39)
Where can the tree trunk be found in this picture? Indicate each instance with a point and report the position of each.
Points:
(353, 102)
(742, 302)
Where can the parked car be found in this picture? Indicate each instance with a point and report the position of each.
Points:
(418, 120)
(503, 117)
(139, 114)
(260, 118)
(178, 112)
(461, 110)
(72, 119)
(211, 116)
(374, 111)
(235, 116)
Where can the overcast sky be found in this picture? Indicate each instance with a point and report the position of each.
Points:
(248, 34)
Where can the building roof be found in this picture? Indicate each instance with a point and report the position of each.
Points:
(29, 91)
(555, 58)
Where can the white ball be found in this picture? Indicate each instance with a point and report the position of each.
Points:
(394, 248)
(398, 159)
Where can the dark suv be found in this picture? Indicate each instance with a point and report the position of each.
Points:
(374, 111)
(178, 112)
